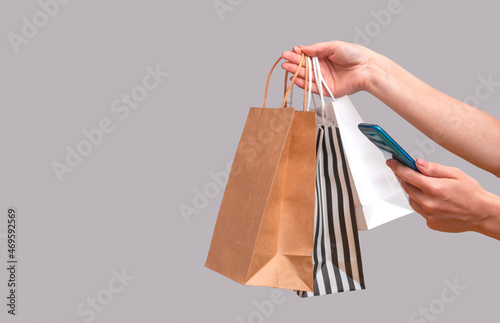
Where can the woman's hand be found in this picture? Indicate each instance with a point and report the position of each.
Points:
(345, 66)
(449, 199)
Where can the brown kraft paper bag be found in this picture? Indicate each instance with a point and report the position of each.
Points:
(264, 232)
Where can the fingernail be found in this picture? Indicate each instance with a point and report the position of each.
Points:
(421, 162)
(389, 162)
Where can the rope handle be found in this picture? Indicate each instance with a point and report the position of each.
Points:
(287, 92)
(307, 86)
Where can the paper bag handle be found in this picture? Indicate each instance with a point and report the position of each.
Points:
(291, 83)
(307, 80)
(322, 82)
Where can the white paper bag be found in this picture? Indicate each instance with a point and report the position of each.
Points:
(379, 198)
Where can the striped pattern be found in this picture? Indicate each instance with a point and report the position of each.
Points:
(336, 255)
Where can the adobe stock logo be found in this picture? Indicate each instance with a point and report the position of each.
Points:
(92, 306)
(223, 6)
(122, 107)
(201, 198)
(265, 308)
(437, 306)
(30, 27)
(483, 91)
(249, 149)
(381, 19)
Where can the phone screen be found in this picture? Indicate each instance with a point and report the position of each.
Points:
(389, 147)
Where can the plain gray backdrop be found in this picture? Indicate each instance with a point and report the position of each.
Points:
(118, 210)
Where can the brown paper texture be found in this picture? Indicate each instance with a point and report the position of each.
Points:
(264, 232)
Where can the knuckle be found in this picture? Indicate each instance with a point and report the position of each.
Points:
(457, 172)
(436, 189)
(432, 224)
(414, 205)
(432, 168)
(429, 206)
(435, 169)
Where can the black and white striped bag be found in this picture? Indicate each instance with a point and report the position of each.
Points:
(337, 256)
(337, 265)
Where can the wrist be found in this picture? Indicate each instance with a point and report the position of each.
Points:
(377, 72)
(489, 224)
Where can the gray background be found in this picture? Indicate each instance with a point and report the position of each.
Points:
(120, 206)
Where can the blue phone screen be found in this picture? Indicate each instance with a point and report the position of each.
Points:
(386, 144)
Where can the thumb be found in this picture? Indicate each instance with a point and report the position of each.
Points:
(435, 170)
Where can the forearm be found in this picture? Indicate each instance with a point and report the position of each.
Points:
(458, 127)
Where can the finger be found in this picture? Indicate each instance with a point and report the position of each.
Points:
(418, 208)
(436, 170)
(297, 50)
(320, 49)
(292, 57)
(300, 83)
(414, 192)
(409, 175)
(292, 68)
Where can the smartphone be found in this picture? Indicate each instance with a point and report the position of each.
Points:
(386, 144)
